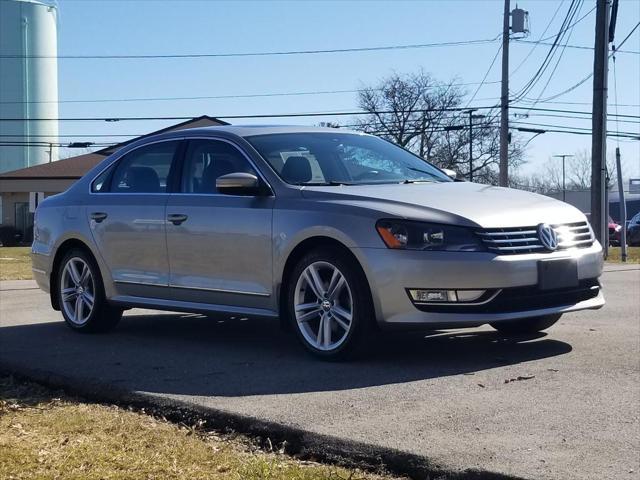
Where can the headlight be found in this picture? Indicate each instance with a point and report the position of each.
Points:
(409, 235)
(617, 228)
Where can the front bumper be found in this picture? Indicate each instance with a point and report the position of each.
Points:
(392, 272)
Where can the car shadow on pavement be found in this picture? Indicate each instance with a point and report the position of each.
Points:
(187, 354)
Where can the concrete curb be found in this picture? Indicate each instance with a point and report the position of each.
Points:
(301, 443)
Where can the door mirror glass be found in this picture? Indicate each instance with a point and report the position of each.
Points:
(238, 183)
(452, 174)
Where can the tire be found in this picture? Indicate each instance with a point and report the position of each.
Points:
(81, 295)
(333, 323)
(526, 325)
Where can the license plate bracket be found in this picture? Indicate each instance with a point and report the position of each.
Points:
(557, 273)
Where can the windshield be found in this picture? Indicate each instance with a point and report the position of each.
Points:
(325, 158)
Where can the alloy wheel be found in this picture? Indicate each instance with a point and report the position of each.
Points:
(323, 306)
(77, 289)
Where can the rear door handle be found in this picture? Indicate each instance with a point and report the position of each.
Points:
(98, 216)
(177, 218)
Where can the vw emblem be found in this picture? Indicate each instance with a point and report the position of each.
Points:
(548, 236)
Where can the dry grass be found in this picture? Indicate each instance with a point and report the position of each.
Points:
(633, 255)
(15, 263)
(42, 436)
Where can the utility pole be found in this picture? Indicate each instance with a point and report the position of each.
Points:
(564, 185)
(504, 99)
(50, 151)
(599, 221)
(470, 112)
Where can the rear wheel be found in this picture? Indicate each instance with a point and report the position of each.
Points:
(526, 325)
(81, 295)
(329, 304)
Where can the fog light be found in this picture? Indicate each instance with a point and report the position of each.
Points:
(445, 296)
(435, 296)
(469, 295)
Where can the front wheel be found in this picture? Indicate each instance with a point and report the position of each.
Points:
(81, 295)
(526, 325)
(329, 304)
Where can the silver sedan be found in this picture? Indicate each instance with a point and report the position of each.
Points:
(336, 233)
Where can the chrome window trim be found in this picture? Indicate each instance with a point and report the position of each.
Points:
(118, 157)
(179, 139)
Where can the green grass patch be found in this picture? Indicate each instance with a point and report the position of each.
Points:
(615, 254)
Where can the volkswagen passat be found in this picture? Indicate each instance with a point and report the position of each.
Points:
(334, 232)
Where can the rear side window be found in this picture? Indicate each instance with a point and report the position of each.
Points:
(145, 170)
(101, 183)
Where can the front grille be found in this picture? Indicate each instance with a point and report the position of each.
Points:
(509, 241)
(520, 299)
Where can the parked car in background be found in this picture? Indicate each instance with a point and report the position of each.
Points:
(633, 231)
(335, 233)
(615, 233)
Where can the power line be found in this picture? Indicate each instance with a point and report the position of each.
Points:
(300, 114)
(585, 79)
(569, 26)
(627, 37)
(548, 128)
(577, 112)
(564, 47)
(216, 97)
(576, 47)
(555, 14)
(495, 57)
(268, 115)
(571, 12)
(262, 54)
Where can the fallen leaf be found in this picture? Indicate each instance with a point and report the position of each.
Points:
(520, 378)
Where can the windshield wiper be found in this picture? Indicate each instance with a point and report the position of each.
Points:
(335, 183)
(406, 180)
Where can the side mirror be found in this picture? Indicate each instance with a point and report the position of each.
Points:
(452, 174)
(238, 183)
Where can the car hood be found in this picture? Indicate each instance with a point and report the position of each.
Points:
(465, 203)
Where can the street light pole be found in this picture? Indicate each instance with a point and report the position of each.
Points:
(471, 118)
(564, 185)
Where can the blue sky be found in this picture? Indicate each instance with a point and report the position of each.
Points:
(148, 27)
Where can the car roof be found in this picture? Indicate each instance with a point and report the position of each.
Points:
(250, 130)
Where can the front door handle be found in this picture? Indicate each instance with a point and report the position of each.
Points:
(177, 218)
(98, 216)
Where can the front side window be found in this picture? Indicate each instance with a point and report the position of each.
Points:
(206, 160)
(145, 170)
(341, 158)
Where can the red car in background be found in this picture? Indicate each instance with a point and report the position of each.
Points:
(615, 231)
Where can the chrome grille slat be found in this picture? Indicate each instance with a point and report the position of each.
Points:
(518, 240)
(512, 240)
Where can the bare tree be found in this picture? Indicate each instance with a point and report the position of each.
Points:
(426, 117)
(577, 174)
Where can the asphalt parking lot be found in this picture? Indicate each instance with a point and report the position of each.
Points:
(562, 405)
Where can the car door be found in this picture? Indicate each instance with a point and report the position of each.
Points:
(127, 217)
(219, 245)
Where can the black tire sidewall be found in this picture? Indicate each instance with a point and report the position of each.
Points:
(362, 309)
